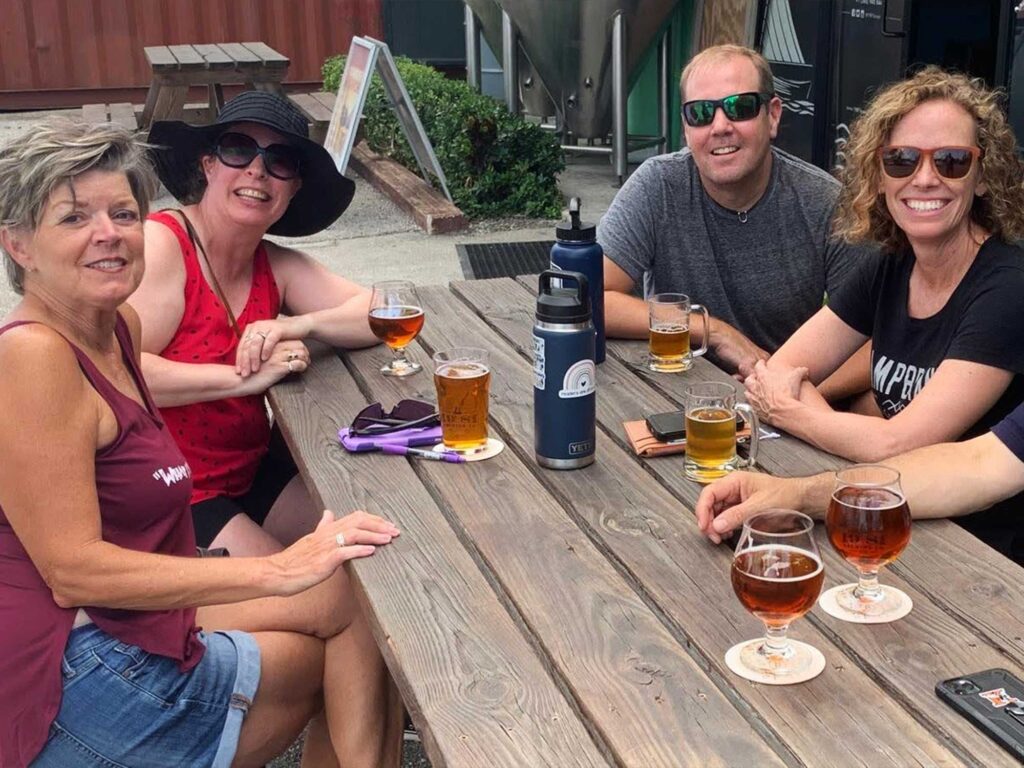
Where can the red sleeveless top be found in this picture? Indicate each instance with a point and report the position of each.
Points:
(143, 486)
(223, 440)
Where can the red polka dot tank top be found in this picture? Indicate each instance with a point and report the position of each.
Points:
(223, 440)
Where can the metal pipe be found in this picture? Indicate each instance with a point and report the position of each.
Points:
(664, 91)
(620, 155)
(510, 63)
(473, 76)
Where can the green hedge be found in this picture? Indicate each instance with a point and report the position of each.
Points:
(496, 164)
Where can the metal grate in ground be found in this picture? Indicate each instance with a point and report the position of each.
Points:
(485, 260)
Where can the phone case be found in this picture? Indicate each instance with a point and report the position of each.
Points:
(667, 427)
(994, 701)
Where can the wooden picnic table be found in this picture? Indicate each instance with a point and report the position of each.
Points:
(540, 618)
(176, 68)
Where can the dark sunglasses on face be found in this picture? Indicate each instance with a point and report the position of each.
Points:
(949, 162)
(237, 150)
(738, 108)
(407, 414)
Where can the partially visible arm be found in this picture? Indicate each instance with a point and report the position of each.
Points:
(626, 316)
(159, 302)
(851, 378)
(956, 396)
(944, 480)
(820, 345)
(323, 305)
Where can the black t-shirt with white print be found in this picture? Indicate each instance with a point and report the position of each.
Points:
(982, 322)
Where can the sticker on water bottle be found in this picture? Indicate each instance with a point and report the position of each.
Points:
(538, 362)
(579, 380)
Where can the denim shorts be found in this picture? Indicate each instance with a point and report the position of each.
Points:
(125, 708)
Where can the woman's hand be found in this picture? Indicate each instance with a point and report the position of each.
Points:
(261, 337)
(287, 357)
(315, 557)
(774, 392)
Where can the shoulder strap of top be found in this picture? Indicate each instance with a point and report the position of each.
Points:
(99, 382)
(124, 337)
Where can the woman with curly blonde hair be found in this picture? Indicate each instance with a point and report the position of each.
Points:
(932, 176)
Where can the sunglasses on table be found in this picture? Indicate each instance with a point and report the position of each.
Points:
(236, 150)
(949, 162)
(407, 414)
(738, 108)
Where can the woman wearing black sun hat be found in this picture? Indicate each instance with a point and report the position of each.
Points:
(225, 311)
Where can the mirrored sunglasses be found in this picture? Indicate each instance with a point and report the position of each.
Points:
(738, 108)
(407, 414)
(236, 150)
(949, 162)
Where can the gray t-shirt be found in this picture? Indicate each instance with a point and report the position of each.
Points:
(764, 276)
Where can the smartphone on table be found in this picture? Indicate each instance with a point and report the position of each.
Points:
(670, 427)
(994, 701)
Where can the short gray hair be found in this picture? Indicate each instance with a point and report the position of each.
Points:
(35, 164)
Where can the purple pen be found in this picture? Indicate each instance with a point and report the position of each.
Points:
(402, 450)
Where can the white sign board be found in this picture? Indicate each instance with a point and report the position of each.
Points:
(375, 55)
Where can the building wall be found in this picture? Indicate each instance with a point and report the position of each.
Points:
(70, 52)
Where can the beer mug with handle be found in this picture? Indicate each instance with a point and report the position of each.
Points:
(711, 431)
(668, 317)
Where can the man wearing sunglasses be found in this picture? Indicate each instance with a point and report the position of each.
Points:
(739, 226)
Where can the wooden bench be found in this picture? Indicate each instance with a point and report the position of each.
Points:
(176, 68)
(318, 108)
(121, 113)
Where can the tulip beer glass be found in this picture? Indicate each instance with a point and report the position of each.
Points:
(868, 523)
(776, 574)
(463, 380)
(395, 318)
(711, 431)
(669, 340)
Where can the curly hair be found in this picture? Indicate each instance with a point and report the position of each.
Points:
(862, 214)
(35, 164)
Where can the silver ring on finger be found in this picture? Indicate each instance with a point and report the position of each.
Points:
(291, 366)
(293, 355)
(340, 538)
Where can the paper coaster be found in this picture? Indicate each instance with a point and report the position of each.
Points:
(810, 664)
(490, 449)
(899, 601)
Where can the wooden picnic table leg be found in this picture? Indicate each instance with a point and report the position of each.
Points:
(151, 99)
(216, 98)
(170, 102)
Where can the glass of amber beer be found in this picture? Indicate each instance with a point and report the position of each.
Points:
(463, 381)
(868, 523)
(711, 431)
(396, 317)
(669, 339)
(776, 574)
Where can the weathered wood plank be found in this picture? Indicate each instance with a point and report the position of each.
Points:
(94, 113)
(327, 99)
(475, 689)
(160, 57)
(646, 530)
(187, 56)
(241, 55)
(123, 114)
(643, 692)
(270, 58)
(214, 56)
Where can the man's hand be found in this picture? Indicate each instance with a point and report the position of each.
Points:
(736, 353)
(726, 504)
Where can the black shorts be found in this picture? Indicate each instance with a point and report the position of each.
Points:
(275, 471)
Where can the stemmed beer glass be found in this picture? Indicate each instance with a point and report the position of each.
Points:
(396, 317)
(777, 574)
(868, 523)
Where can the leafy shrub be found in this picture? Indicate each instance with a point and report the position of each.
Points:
(495, 163)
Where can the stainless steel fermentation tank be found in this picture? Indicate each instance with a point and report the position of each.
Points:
(581, 54)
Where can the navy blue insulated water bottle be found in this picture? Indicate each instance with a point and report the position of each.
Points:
(564, 400)
(576, 250)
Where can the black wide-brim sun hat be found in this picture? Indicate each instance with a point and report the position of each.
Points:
(324, 194)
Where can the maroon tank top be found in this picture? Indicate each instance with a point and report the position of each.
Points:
(143, 484)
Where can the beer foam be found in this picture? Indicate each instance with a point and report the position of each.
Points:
(783, 548)
(459, 370)
(868, 498)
